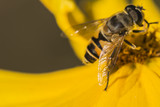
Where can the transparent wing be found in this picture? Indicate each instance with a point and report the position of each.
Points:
(86, 30)
(108, 58)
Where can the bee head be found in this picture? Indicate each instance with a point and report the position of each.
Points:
(136, 13)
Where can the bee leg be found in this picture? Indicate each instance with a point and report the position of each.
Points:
(138, 31)
(112, 56)
(131, 45)
(107, 81)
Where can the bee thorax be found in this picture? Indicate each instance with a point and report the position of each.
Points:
(119, 23)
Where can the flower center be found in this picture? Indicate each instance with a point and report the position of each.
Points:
(149, 48)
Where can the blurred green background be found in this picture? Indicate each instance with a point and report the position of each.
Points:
(30, 40)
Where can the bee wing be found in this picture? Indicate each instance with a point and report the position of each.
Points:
(87, 30)
(108, 57)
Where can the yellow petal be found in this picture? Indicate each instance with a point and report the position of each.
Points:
(151, 84)
(154, 65)
(133, 84)
(125, 90)
(50, 89)
(106, 8)
(116, 84)
(66, 12)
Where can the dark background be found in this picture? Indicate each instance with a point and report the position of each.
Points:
(30, 40)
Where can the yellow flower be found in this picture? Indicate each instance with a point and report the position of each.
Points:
(133, 84)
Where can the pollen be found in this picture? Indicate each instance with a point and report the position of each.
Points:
(149, 47)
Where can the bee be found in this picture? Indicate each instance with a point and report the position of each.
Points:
(107, 35)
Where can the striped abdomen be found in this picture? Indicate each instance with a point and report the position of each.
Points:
(94, 49)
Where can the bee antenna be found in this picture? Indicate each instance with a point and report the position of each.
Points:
(150, 22)
(140, 7)
(153, 22)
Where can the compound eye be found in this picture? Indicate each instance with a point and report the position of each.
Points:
(130, 7)
(140, 18)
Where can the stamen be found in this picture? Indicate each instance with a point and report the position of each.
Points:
(149, 48)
